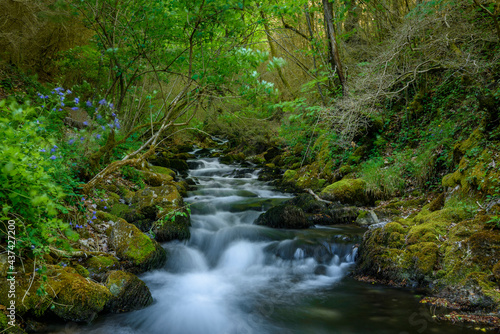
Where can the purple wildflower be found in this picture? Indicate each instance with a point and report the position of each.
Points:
(103, 127)
(82, 138)
(98, 136)
(43, 150)
(113, 114)
(86, 123)
(71, 141)
(53, 157)
(68, 92)
(102, 102)
(111, 105)
(99, 116)
(74, 108)
(77, 100)
(88, 103)
(94, 217)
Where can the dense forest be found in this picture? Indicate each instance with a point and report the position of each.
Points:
(383, 114)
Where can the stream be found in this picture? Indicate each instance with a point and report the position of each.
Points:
(236, 277)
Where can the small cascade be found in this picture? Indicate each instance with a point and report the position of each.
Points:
(236, 277)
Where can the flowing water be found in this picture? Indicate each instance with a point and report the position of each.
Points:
(236, 277)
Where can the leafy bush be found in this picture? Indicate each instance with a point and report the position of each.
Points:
(29, 193)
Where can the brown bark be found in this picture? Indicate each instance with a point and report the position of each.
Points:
(334, 56)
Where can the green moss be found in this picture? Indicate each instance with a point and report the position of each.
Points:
(81, 270)
(488, 288)
(163, 170)
(3, 321)
(290, 175)
(348, 191)
(78, 299)
(309, 182)
(120, 210)
(393, 227)
(496, 271)
(363, 214)
(345, 169)
(128, 292)
(424, 256)
(133, 246)
(426, 232)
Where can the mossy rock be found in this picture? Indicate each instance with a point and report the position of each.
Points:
(485, 248)
(231, 158)
(424, 257)
(155, 179)
(496, 271)
(310, 182)
(4, 325)
(179, 165)
(3, 321)
(128, 292)
(172, 225)
(290, 176)
(131, 245)
(426, 232)
(162, 170)
(78, 299)
(284, 216)
(4, 265)
(308, 203)
(99, 266)
(347, 191)
(366, 218)
(82, 270)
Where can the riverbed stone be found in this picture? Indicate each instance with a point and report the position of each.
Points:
(347, 191)
(99, 266)
(284, 216)
(128, 292)
(78, 299)
(132, 246)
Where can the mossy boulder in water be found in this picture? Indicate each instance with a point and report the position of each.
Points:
(161, 160)
(99, 266)
(78, 299)
(284, 216)
(128, 292)
(135, 247)
(347, 191)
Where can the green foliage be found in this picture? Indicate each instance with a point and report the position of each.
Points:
(494, 222)
(28, 190)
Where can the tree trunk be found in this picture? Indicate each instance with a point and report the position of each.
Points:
(334, 51)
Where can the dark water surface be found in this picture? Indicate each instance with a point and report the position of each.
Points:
(236, 277)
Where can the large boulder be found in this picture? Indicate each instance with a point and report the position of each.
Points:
(347, 191)
(128, 292)
(78, 299)
(161, 160)
(131, 245)
(98, 266)
(159, 210)
(163, 212)
(323, 213)
(284, 216)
